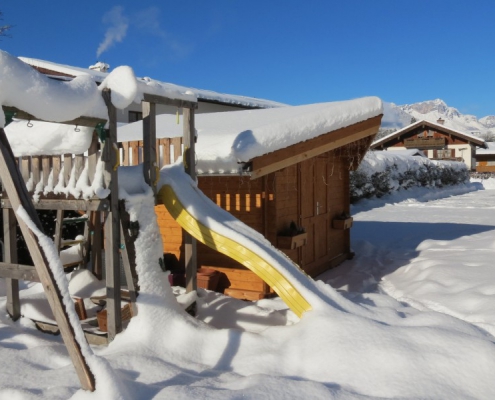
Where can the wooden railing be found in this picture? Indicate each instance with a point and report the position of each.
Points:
(167, 151)
(424, 142)
(36, 170)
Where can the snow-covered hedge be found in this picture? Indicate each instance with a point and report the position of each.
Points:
(383, 172)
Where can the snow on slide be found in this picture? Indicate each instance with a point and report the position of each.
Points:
(221, 231)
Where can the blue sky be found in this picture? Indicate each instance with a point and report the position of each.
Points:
(295, 52)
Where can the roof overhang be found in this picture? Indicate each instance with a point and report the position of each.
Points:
(299, 152)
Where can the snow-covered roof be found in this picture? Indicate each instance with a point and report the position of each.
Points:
(475, 139)
(489, 150)
(200, 94)
(24, 88)
(227, 139)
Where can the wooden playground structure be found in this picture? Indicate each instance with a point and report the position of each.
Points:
(104, 252)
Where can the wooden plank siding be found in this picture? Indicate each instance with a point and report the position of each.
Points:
(310, 193)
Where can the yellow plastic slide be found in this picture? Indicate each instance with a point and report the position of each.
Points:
(234, 250)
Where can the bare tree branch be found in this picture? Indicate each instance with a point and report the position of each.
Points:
(4, 29)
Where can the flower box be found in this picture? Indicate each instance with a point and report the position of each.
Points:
(101, 316)
(339, 223)
(208, 278)
(292, 242)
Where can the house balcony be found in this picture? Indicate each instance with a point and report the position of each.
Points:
(425, 143)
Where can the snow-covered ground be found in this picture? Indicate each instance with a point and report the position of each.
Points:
(414, 318)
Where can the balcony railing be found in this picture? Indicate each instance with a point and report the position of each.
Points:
(428, 142)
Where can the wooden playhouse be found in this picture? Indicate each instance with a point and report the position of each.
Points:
(296, 196)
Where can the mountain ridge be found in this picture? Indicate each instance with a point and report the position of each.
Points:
(398, 116)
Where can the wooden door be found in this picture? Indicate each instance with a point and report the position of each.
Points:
(315, 212)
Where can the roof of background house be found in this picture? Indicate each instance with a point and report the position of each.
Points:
(471, 138)
(61, 71)
(489, 150)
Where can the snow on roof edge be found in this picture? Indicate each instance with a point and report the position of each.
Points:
(202, 94)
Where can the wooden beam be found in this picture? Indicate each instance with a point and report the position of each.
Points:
(18, 195)
(153, 98)
(10, 256)
(296, 153)
(81, 121)
(190, 245)
(149, 144)
(66, 205)
(18, 272)
(112, 225)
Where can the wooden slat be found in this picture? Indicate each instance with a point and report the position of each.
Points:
(166, 151)
(135, 152)
(35, 170)
(25, 168)
(78, 165)
(46, 162)
(311, 148)
(56, 166)
(92, 158)
(18, 195)
(177, 143)
(67, 168)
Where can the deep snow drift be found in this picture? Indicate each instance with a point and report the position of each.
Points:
(359, 343)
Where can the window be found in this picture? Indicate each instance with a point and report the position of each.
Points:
(135, 116)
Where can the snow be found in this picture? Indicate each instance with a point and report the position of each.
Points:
(411, 317)
(23, 87)
(227, 139)
(490, 149)
(53, 100)
(160, 88)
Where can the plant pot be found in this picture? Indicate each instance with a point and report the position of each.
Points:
(292, 242)
(342, 223)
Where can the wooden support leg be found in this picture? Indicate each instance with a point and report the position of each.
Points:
(19, 198)
(129, 261)
(96, 239)
(57, 239)
(112, 270)
(10, 256)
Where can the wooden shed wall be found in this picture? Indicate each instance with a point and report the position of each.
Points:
(310, 193)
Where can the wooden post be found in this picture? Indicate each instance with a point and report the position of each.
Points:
(10, 256)
(112, 224)
(18, 196)
(190, 244)
(95, 236)
(149, 144)
(57, 238)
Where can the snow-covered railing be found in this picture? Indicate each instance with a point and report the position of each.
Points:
(168, 150)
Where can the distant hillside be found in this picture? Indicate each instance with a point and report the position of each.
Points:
(396, 117)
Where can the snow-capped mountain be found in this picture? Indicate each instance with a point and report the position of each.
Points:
(396, 117)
